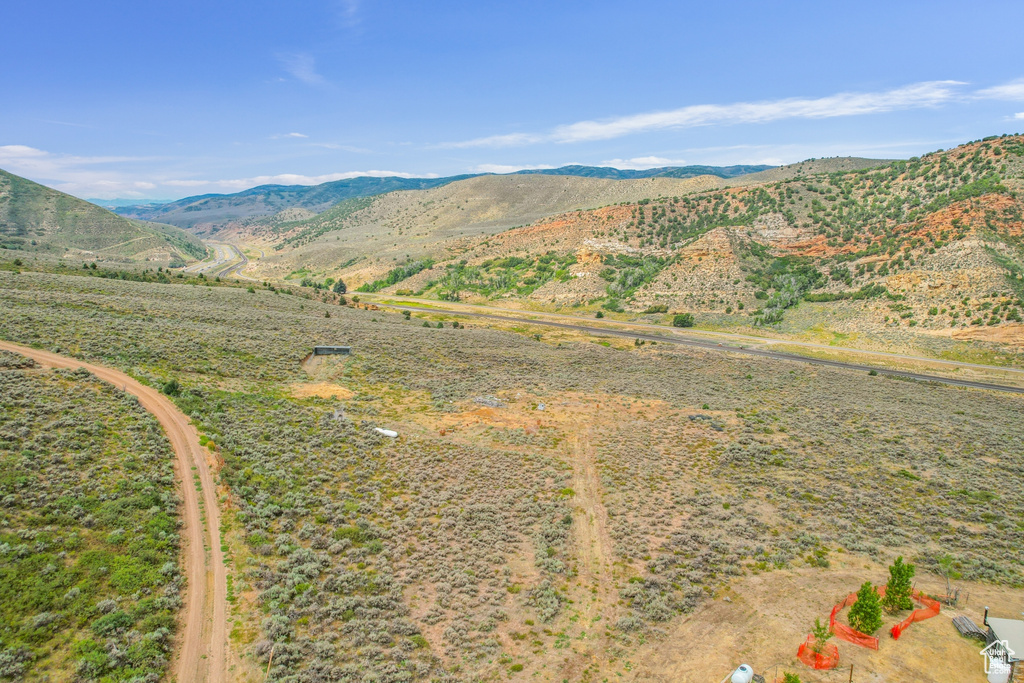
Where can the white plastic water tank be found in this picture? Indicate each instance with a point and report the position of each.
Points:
(998, 670)
(744, 674)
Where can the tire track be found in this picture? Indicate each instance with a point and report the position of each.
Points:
(595, 549)
(202, 642)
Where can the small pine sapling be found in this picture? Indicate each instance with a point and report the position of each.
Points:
(897, 591)
(866, 613)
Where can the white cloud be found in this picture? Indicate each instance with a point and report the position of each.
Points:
(288, 135)
(1013, 90)
(638, 163)
(510, 140)
(843, 104)
(302, 66)
(91, 177)
(346, 148)
(507, 168)
(914, 96)
(347, 13)
(9, 152)
(1019, 116)
(25, 160)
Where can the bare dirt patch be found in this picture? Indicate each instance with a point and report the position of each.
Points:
(321, 390)
(761, 620)
(1004, 334)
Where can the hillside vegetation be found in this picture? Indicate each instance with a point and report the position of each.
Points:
(210, 213)
(38, 219)
(368, 235)
(89, 566)
(927, 246)
(550, 504)
(207, 213)
(375, 232)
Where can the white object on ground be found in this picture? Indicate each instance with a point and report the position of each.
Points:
(744, 674)
(386, 432)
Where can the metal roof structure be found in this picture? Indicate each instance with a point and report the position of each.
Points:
(332, 350)
(1012, 631)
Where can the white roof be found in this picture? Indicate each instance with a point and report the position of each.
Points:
(1012, 631)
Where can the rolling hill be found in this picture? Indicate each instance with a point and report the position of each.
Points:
(885, 251)
(634, 174)
(371, 234)
(208, 213)
(39, 219)
(374, 232)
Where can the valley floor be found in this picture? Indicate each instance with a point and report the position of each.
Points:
(556, 506)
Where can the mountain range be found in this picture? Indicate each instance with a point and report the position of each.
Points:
(888, 252)
(212, 211)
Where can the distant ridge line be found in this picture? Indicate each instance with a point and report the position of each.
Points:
(264, 200)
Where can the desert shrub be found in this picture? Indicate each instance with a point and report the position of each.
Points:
(695, 497)
(89, 543)
(12, 361)
(682, 320)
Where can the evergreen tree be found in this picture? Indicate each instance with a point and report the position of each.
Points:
(897, 591)
(866, 613)
(339, 287)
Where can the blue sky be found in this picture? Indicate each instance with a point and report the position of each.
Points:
(167, 99)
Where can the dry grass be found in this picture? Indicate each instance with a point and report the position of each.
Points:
(572, 541)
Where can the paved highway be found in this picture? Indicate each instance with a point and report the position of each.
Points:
(231, 255)
(222, 254)
(671, 337)
(531, 316)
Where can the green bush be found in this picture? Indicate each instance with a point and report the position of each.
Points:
(682, 320)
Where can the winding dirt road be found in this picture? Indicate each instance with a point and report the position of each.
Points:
(202, 642)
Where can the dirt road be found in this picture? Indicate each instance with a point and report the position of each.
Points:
(597, 596)
(202, 641)
(594, 543)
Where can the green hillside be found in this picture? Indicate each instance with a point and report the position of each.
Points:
(36, 218)
(211, 212)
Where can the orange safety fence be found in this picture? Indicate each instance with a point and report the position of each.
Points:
(848, 633)
(828, 658)
(931, 609)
